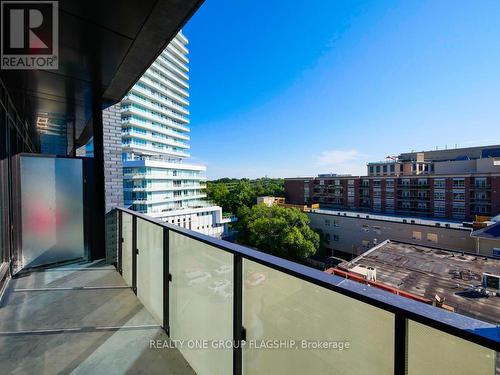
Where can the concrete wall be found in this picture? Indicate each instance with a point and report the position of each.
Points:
(207, 220)
(487, 165)
(455, 167)
(473, 152)
(486, 246)
(352, 232)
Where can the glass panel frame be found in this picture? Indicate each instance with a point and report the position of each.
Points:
(296, 327)
(150, 267)
(343, 324)
(201, 304)
(126, 248)
(432, 351)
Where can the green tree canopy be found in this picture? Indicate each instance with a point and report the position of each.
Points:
(280, 231)
(232, 194)
(219, 194)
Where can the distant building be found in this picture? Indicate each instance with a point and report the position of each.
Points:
(280, 201)
(456, 281)
(488, 240)
(154, 120)
(269, 201)
(349, 234)
(458, 160)
(452, 184)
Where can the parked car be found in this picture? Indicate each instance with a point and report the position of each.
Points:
(255, 279)
(192, 273)
(219, 286)
(199, 277)
(224, 269)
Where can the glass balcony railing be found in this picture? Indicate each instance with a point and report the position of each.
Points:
(232, 309)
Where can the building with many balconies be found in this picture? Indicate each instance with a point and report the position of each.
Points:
(155, 141)
(458, 188)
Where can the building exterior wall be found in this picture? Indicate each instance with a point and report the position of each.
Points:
(495, 195)
(154, 186)
(208, 220)
(451, 154)
(456, 161)
(113, 167)
(297, 190)
(353, 236)
(113, 175)
(455, 166)
(457, 197)
(269, 201)
(150, 130)
(485, 246)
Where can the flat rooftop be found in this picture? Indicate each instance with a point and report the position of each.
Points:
(426, 271)
(434, 222)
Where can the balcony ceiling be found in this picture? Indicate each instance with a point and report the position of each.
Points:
(104, 47)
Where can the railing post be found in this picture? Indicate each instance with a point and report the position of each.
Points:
(400, 344)
(134, 254)
(238, 329)
(120, 240)
(166, 281)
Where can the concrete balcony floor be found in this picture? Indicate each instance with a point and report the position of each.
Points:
(80, 319)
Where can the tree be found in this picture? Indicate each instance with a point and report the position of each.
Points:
(243, 195)
(280, 231)
(232, 194)
(219, 194)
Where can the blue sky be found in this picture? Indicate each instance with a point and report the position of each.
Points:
(292, 88)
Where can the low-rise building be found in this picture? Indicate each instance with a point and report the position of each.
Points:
(269, 201)
(348, 234)
(488, 240)
(457, 281)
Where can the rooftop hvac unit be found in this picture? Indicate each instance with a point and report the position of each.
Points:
(496, 252)
(491, 282)
(371, 274)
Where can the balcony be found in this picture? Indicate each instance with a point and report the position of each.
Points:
(131, 134)
(178, 300)
(151, 116)
(481, 187)
(251, 296)
(133, 146)
(80, 318)
(132, 97)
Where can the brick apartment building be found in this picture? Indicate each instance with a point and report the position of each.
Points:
(453, 184)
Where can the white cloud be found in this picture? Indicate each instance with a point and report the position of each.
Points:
(333, 157)
(342, 161)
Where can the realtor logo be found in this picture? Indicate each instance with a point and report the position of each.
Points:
(29, 35)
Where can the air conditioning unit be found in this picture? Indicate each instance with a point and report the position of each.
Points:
(496, 252)
(371, 274)
(491, 282)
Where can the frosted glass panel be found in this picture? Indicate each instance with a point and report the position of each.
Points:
(322, 324)
(52, 210)
(201, 303)
(150, 267)
(434, 352)
(127, 248)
